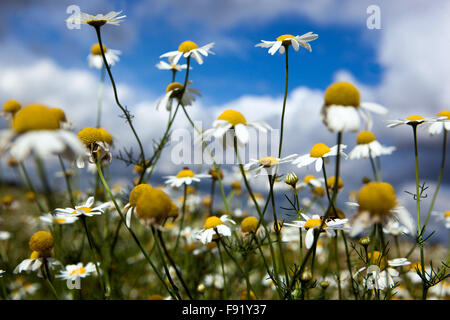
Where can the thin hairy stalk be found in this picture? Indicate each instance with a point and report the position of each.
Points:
(133, 235)
(46, 275)
(172, 262)
(183, 215)
(284, 102)
(125, 112)
(441, 174)
(374, 168)
(100, 96)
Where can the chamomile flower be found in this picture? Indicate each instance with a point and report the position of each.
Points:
(283, 41)
(58, 218)
(342, 108)
(185, 176)
(162, 65)
(269, 164)
(95, 58)
(98, 142)
(368, 146)
(36, 129)
(35, 262)
(97, 20)
(10, 108)
(76, 271)
(442, 124)
(313, 222)
(443, 217)
(84, 210)
(414, 120)
(377, 203)
(187, 49)
(215, 226)
(175, 91)
(317, 154)
(214, 280)
(230, 124)
(312, 181)
(395, 228)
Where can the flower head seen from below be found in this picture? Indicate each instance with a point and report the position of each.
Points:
(175, 90)
(37, 130)
(314, 222)
(342, 108)
(35, 262)
(76, 271)
(377, 203)
(98, 20)
(268, 164)
(10, 108)
(285, 40)
(317, 154)
(153, 206)
(213, 227)
(58, 219)
(368, 146)
(231, 124)
(185, 176)
(162, 65)
(187, 49)
(443, 123)
(85, 209)
(95, 59)
(413, 120)
(98, 142)
(135, 194)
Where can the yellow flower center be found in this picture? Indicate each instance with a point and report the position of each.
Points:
(365, 137)
(106, 136)
(59, 113)
(7, 200)
(41, 241)
(35, 117)
(11, 106)
(342, 94)
(31, 196)
(34, 255)
(187, 46)
(137, 192)
(378, 259)
(415, 266)
(96, 23)
(96, 51)
(318, 191)
(377, 197)
(185, 173)
(249, 224)
(319, 150)
(247, 295)
(444, 113)
(308, 178)
(191, 190)
(212, 222)
(268, 161)
(174, 211)
(311, 223)
(332, 180)
(415, 118)
(59, 220)
(284, 37)
(156, 297)
(174, 86)
(233, 117)
(84, 209)
(91, 135)
(447, 214)
(78, 271)
(153, 206)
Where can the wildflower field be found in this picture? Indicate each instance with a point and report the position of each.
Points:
(274, 226)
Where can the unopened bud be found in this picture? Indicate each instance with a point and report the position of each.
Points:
(291, 179)
(364, 241)
(306, 276)
(324, 285)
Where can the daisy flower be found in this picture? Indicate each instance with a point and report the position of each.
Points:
(185, 176)
(98, 142)
(95, 58)
(283, 41)
(342, 108)
(317, 154)
(442, 124)
(214, 280)
(269, 164)
(411, 120)
(377, 203)
(97, 20)
(162, 65)
(215, 226)
(231, 123)
(368, 146)
(76, 271)
(36, 129)
(175, 91)
(395, 228)
(59, 218)
(312, 181)
(84, 210)
(189, 48)
(34, 263)
(313, 222)
(443, 217)
(10, 108)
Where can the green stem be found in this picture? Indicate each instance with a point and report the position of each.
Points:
(284, 101)
(183, 210)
